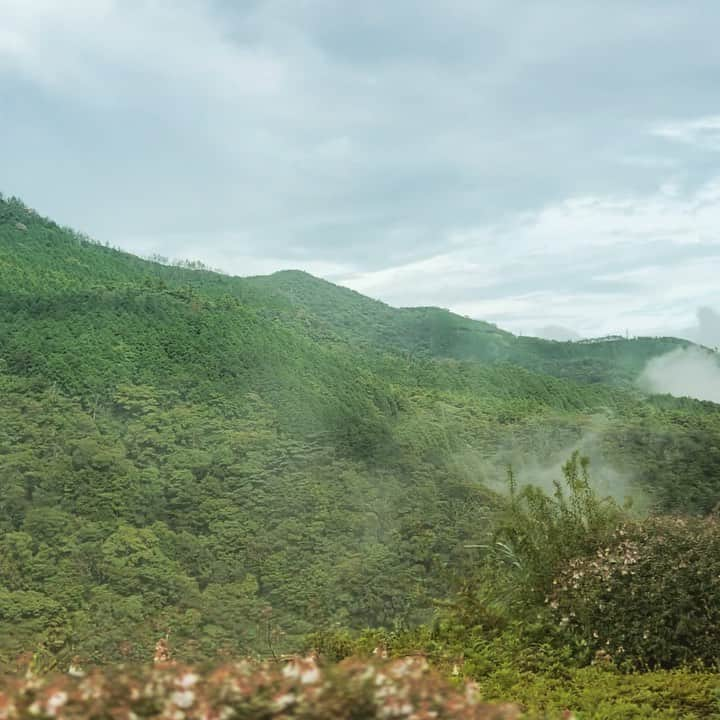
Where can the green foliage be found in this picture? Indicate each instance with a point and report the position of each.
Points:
(160, 515)
(595, 693)
(527, 664)
(649, 598)
(638, 593)
(539, 532)
(623, 595)
(428, 332)
(238, 462)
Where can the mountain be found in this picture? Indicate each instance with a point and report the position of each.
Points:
(45, 258)
(241, 460)
(431, 332)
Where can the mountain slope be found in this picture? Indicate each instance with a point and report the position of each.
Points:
(240, 461)
(44, 258)
(436, 333)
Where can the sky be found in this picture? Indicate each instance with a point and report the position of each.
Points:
(550, 166)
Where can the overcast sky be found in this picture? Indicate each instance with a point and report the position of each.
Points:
(529, 163)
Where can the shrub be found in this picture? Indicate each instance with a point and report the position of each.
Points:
(650, 597)
(602, 693)
(540, 532)
(353, 690)
(520, 664)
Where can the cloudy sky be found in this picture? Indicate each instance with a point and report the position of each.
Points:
(527, 162)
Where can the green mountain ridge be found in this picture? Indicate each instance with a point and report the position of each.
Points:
(242, 460)
(73, 260)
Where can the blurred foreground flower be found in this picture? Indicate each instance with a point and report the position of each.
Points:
(401, 689)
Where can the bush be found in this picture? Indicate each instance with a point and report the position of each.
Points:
(353, 690)
(649, 598)
(540, 532)
(601, 693)
(524, 664)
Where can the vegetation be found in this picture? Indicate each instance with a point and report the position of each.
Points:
(256, 465)
(650, 597)
(401, 689)
(628, 628)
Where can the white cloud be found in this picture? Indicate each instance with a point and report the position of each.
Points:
(683, 372)
(703, 132)
(420, 152)
(229, 253)
(92, 48)
(705, 330)
(591, 263)
(555, 332)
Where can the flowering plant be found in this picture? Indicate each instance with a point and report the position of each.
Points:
(401, 689)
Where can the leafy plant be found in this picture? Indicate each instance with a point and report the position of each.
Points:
(649, 597)
(538, 532)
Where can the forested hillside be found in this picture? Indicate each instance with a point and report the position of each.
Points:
(435, 333)
(241, 461)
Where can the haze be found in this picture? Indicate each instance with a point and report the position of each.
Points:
(539, 165)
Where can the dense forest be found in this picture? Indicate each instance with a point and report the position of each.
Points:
(256, 466)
